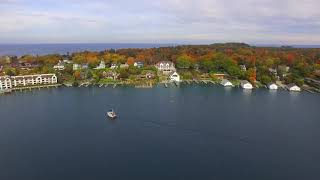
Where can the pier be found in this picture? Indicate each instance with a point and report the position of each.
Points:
(35, 87)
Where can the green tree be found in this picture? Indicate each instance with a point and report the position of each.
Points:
(184, 62)
(265, 79)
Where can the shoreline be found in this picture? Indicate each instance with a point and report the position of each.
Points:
(168, 85)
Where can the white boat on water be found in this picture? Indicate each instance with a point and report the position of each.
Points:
(111, 114)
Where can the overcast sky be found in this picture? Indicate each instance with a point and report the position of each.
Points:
(160, 21)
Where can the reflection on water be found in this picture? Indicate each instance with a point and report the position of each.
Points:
(273, 92)
(247, 92)
(216, 129)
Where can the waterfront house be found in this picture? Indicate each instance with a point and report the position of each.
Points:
(76, 67)
(246, 85)
(243, 67)
(124, 66)
(283, 71)
(8, 82)
(273, 71)
(110, 75)
(293, 87)
(59, 67)
(138, 64)
(102, 65)
(220, 75)
(226, 83)
(85, 66)
(175, 77)
(283, 68)
(5, 83)
(30, 80)
(166, 67)
(114, 66)
(66, 59)
(272, 86)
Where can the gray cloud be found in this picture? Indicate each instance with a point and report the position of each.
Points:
(201, 21)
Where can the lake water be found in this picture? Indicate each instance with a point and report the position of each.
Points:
(43, 49)
(186, 133)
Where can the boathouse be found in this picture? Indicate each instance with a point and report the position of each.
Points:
(175, 77)
(272, 86)
(226, 83)
(293, 87)
(246, 85)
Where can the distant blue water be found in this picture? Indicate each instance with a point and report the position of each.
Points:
(42, 49)
(187, 133)
(294, 46)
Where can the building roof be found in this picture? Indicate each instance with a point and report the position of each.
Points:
(224, 81)
(174, 73)
(269, 84)
(244, 82)
(165, 62)
(291, 85)
(2, 78)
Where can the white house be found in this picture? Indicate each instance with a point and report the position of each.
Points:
(67, 61)
(138, 64)
(102, 65)
(59, 67)
(174, 77)
(243, 67)
(8, 82)
(79, 66)
(166, 67)
(226, 83)
(114, 66)
(110, 75)
(272, 86)
(293, 87)
(5, 82)
(76, 67)
(246, 85)
(124, 66)
(273, 71)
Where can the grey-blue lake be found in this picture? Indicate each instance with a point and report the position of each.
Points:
(187, 133)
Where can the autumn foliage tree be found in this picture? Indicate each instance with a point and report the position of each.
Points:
(130, 61)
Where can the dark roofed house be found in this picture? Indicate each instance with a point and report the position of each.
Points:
(293, 87)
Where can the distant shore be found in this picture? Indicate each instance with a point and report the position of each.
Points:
(18, 49)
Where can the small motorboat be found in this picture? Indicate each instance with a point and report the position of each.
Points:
(111, 114)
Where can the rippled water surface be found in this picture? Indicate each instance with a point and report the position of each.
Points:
(161, 133)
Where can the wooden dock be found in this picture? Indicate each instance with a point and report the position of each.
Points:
(36, 87)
